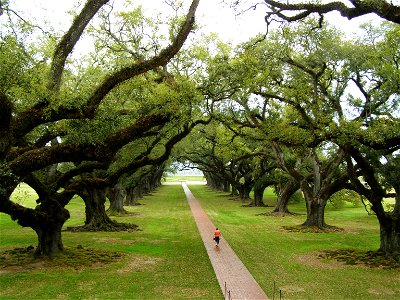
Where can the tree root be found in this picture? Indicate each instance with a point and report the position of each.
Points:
(278, 214)
(372, 259)
(251, 204)
(108, 227)
(117, 213)
(313, 229)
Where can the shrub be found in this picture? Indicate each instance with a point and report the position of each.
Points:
(340, 198)
(297, 197)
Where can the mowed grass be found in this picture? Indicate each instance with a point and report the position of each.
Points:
(178, 178)
(166, 259)
(290, 259)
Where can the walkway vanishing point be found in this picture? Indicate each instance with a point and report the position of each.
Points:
(235, 280)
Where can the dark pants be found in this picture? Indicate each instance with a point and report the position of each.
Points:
(217, 239)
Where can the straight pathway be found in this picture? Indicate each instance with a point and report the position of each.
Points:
(235, 280)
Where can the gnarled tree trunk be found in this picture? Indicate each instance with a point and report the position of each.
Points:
(50, 219)
(284, 195)
(390, 233)
(244, 193)
(227, 186)
(132, 195)
(315, 213)
(96, 216)
(259, 187)
(389, 224)
(116, 197)
(315, 207)
(258, 197)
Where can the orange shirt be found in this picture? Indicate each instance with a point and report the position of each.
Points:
(217, 233)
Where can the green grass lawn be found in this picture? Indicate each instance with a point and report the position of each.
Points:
(178, 178)
(290, 259)
(167, 259)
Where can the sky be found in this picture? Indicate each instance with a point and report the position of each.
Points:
(212, 16)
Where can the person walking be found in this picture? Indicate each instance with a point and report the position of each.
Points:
(217, 236)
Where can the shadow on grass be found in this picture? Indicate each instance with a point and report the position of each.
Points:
(371, 259)
(22, 259)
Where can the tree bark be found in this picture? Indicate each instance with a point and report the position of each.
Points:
(116, 197)
(259, 187)
(315, 206)
(389, 224)
(258, 197)
(226, 186)
(235, 191)
(244, 192)
(48, 225)
(132, 195)
(5, 121)
(284, 195)
(390, 234)
(315, 213)
(96, 216)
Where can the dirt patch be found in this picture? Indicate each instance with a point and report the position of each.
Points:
(110, 226)
(312, 229)
(113, 241)
(379, 291)
(313, 259)
(183, 292)
(337, 259)
(279, 214)
(371, 259)
(139, 263)
(23, 259)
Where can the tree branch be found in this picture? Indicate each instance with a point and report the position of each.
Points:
(68, 41)
(382, 8)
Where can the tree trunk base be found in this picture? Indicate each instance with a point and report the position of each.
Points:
(252, 204)
(117, 212)
(313, 229)
(133, 204)
(108, 227)
(278, 214)
(279, 210)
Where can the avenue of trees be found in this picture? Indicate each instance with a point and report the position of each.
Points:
(303, 108)
(298, 10)
(86, 126)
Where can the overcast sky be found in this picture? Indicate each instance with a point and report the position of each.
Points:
(212, 16)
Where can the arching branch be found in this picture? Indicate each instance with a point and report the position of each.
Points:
(40, 112)
(68, 41)
(284, 10)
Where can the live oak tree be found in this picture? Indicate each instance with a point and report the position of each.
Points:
(39, 108)
(319, 178)
(139, 185)
(299, 10)
(372, 138)
(344, 93)
(201, 149)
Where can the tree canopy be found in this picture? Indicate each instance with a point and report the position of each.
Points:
(300, 108)
(348, 9)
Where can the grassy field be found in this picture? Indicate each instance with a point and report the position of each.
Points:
(290, 259)
(167, 260)
(188, 178)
